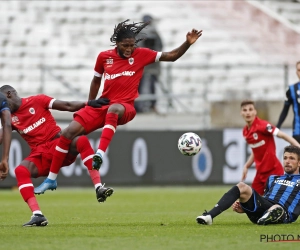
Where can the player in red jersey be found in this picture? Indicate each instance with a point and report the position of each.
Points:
(31, 118)
(259, 135)
(122, 69)
(6, 137)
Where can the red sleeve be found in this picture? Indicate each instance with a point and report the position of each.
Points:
(148, 55)
(99, 64)
(44, 100)
(266, 127)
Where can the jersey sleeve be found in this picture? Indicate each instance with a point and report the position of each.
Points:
(268, 128)
(150, 56)
(3, 103)
(289, 99)
(45, 101)
(99, 67)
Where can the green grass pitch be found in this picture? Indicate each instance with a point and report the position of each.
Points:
(133, 218)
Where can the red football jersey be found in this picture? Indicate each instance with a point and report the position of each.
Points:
(260, 137)
(122, 75)
(33, 120)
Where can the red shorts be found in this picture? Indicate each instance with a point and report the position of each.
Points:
(42, 156)
(94, 118)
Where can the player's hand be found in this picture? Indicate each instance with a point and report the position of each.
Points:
(193, 35)
(236, 207)
(98, 103)
(3, 170)
(244, 175)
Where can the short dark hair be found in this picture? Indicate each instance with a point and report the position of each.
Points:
(292, 149)
(5, 88)
(124, 30)
(247, 102)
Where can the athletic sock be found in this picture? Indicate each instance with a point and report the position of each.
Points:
(226, 201)
(26, 187)
(60, 153)
(108, 131)
(83, 146)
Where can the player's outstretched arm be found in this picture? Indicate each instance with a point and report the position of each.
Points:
(6, 124)
(287, 138)
(172, 56)
(94, 88)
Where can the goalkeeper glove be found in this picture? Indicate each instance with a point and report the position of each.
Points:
(98, 103)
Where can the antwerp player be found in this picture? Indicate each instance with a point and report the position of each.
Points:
(122, 69)
(31, 118)
(259, 135)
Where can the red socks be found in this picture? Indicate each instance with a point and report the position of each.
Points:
(108, 131)
(86, 152)
(26, 187)
(61, 151)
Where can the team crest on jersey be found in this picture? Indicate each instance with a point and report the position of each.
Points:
(131, 60)
(32, 111)
(255, 136)
(14, 119)
(109, 61)
(269, 128)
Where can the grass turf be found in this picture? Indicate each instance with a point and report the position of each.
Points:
(133, 218)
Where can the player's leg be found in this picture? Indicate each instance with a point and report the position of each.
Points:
(240, 191)
(117, 114)
(114, 112)
(60, 153)
(24, 172)
(82, 146)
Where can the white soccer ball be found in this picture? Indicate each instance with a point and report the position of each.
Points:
(189, 144)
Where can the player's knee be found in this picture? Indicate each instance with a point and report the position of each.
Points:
(243, 187)
(21, 172)
(116, 108)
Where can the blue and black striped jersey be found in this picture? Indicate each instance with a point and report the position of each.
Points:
(293, 98)
(285, 191)
(3, 103)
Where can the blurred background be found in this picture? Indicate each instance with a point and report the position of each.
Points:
(248, 49)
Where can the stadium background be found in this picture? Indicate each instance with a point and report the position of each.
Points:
(248, 50)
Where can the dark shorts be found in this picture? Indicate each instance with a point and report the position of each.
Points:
(256, 207)
(94, 118)
(42, 156)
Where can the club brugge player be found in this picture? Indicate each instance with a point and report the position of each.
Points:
(122, 69)
(5, 137)
(279, 204)
(32, 119)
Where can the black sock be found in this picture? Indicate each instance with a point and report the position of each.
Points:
(226, 201)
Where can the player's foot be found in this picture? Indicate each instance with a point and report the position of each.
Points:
(102, 193)
(46, 185)
(204, 219)
(272, 217)
(37, 220)
(97, 161)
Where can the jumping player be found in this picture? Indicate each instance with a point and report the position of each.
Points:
(259, 135)
(122, 69)
(32, 119)
(5, 138)
(279, 204)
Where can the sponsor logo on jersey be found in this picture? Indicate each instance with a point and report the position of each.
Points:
(256, 145)
(109, 61)
(14, 119)
(131, 60)
(32, 111)
(285, 183)
(124, 73)
(34, 125)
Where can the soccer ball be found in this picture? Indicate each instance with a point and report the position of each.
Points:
(189, 144)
